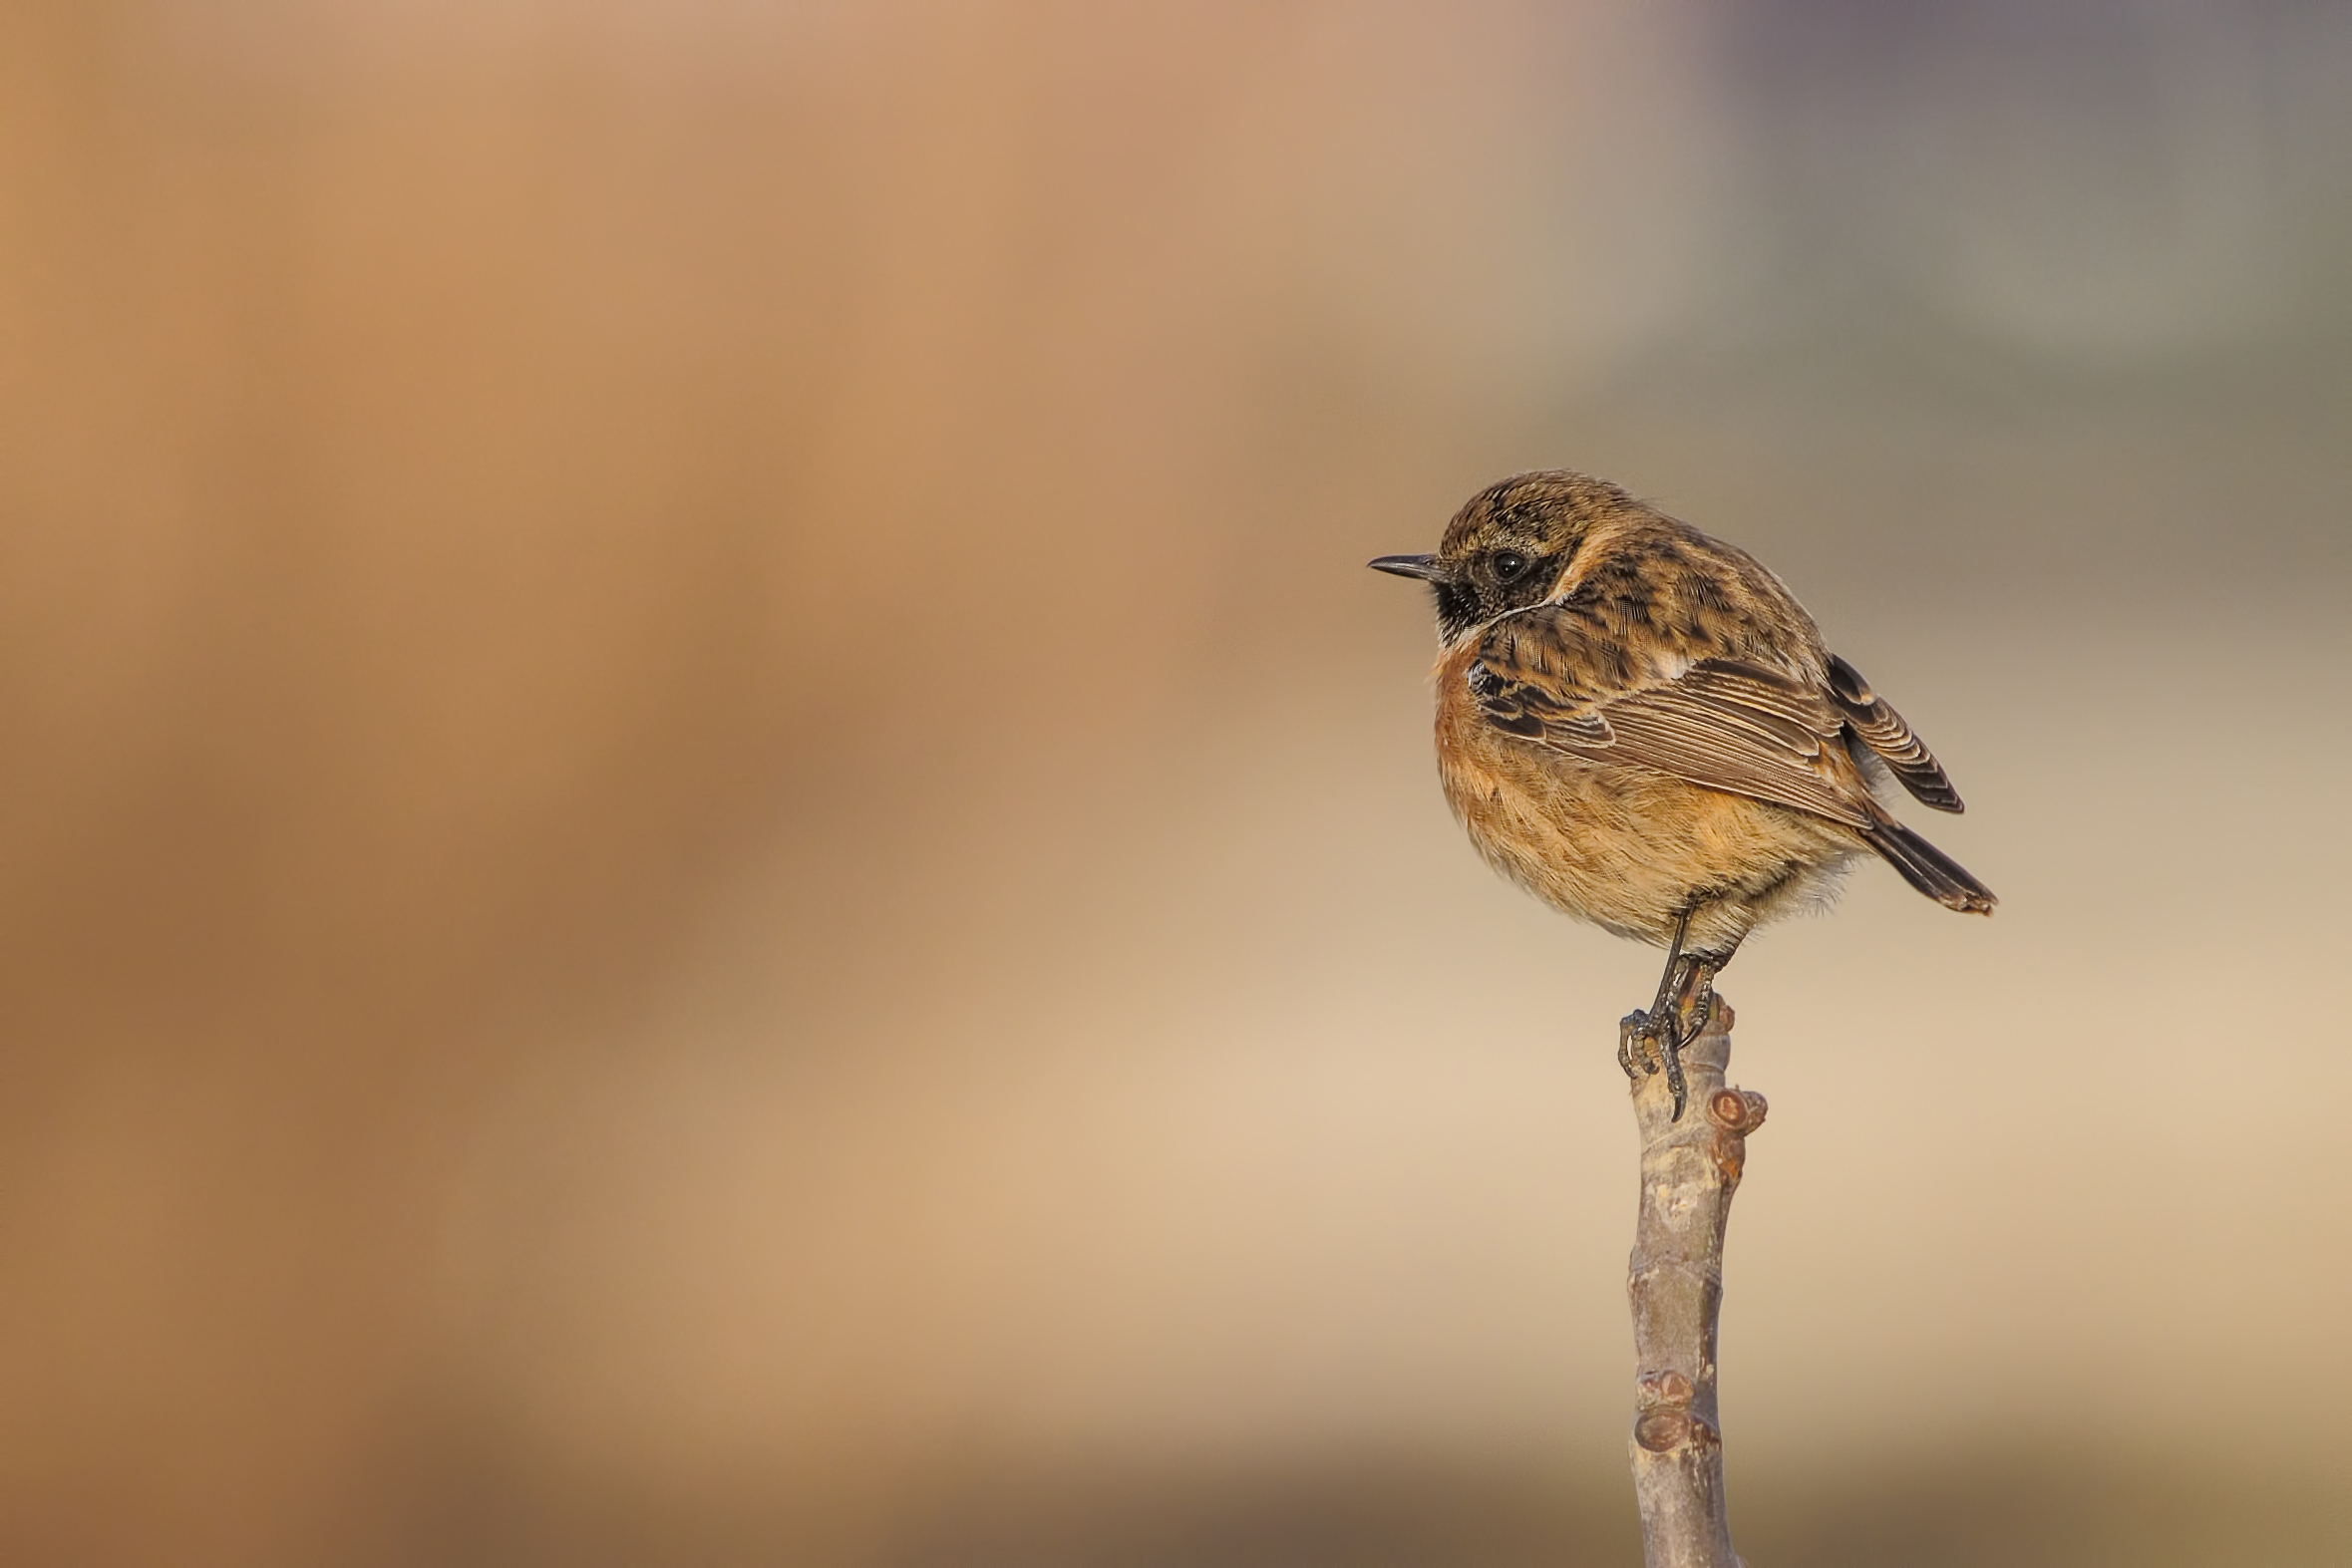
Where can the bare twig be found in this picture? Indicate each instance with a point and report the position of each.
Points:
(1689, 1169)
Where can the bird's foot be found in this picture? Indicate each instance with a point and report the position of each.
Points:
(1651, 1041)
(1695, 1010)
(1635, 1026)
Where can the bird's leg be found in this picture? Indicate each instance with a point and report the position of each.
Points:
(1694, 1001)
(1687, 1013)
(1642, 1024)
(1654, 1038)
(1654, 1027)
(1698, 1004)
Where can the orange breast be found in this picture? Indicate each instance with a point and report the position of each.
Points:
(1621, 847)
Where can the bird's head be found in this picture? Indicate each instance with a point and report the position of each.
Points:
(1509, 547)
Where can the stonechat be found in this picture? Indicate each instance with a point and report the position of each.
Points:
(1640, 724)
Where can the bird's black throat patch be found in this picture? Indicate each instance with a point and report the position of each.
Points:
(1459, 609)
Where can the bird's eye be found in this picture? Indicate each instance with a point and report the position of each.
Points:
(1507, 564)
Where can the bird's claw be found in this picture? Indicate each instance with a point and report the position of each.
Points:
(1632, 1027)
(1649, 1043)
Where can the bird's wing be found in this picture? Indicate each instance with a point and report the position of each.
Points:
(1550, 675)
(1883, 731)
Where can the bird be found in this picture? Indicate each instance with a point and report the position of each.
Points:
(1640, 724)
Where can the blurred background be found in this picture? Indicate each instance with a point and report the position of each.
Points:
(714, 854)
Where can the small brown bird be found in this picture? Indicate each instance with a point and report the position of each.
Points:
(1640, 724)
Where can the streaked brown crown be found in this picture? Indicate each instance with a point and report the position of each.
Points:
(1508, 546)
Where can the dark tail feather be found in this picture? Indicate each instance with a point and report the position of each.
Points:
(1878, 727)
(1929, 869)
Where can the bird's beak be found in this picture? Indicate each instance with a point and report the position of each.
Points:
(1423, 566)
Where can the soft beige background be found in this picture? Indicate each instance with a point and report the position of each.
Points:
(713, 852)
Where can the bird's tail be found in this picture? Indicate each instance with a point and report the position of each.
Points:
(1929, 869)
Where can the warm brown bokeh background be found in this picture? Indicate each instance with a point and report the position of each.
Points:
(714, 854)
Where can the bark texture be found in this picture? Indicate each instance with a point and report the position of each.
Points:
(1689, 1170)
